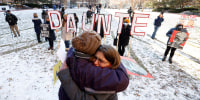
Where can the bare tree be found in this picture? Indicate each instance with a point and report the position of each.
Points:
(133, 3)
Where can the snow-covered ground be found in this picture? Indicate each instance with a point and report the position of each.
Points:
(26, 67)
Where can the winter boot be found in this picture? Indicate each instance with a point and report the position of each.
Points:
(164, 58)
(50, 48)
(170, 60)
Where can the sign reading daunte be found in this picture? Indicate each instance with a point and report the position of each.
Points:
(101, 20)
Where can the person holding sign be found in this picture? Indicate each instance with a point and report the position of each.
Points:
(124, 37)
(101, 76)
(177, 36)
(51, 34)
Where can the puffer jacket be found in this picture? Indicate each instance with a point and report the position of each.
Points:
(125, 35)
(158, 21)
(88, 76)
(37, 22)
(70, 91)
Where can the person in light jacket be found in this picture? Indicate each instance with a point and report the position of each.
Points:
(66, 36)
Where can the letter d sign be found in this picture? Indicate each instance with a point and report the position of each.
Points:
(50, 13)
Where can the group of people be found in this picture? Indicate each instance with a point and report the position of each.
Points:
(92, 71)
(178, 40)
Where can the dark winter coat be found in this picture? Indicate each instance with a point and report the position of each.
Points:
(89, 14)
(11, 19)
(37, 22)
(158, 21)
(70, 91)
(125, 35)
(101, 30)
(44, 14)
(130, 11)
(51, 32)
(87, 75)
(76, 21)
(62, 12)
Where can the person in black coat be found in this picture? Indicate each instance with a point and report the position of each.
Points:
(130, 12)
(89, 15)
(76, 20)
(52, 36)
(44, 14)
(37, 22)
(157, 24)
(12, 21)
(101, 30)
(62, 12)
(124, 37)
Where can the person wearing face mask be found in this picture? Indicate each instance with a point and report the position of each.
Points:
(173, 46)
(12, 21)
(96, 71)
(124, 36)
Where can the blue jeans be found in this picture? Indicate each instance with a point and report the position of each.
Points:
(155, 30)
(66, 43)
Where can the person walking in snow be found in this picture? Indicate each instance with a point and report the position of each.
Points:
(179, 27)
(37, 22)
(157, 24)
(124, 37)
(12, 21)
